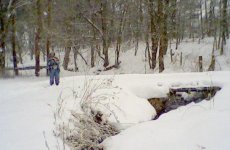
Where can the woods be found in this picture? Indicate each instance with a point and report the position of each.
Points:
(104, 26)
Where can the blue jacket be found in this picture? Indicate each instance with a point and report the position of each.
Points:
(53, 63)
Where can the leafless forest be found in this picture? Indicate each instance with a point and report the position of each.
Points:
(37, 27)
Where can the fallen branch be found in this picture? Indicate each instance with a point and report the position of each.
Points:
(26, 68)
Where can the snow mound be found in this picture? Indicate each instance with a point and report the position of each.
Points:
(203, 125)
(123, 107)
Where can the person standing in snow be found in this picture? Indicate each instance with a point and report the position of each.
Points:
(54, 68)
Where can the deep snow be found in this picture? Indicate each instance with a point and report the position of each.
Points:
(193, 127)
(27, 105)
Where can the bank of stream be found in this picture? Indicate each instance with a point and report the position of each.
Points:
(180, 97)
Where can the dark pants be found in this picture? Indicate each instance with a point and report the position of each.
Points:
(54, 75)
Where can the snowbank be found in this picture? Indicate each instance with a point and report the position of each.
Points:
(196, 126)
(124, 107)
(27, 105)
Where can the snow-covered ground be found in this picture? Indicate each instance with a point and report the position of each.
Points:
(26, 108)
(27, 104)
(193, 127)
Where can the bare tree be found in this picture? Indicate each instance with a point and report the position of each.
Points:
(14, 54)
(154, 34)
(2, 38)
(104, 24)
(162, 21)
(38, 37)
(48, 40)
(66, 57)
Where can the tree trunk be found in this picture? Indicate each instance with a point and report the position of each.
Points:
(206, 17)
(147, 52)
(14, 54)
(225, 19)
(137, 43)
(37, 38)
(220, 25)
(210, 19)
(213, 60)
(117, 51)
(224, 26)
(178, 28)
(147, 48)
(163, 33)
(201, 21)
(66, 58)
(48, 42)
(75, 52)
(119, 38)
(165, 27)
(92, 60)
(2, 40)
(137, 30)
(5, 21)
(31, 49)
(93, 44)
(154, 36)
(105, 39)
(173, 19)
(200, 62)
(19, 50)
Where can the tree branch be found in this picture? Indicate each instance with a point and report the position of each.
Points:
(93, 25)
